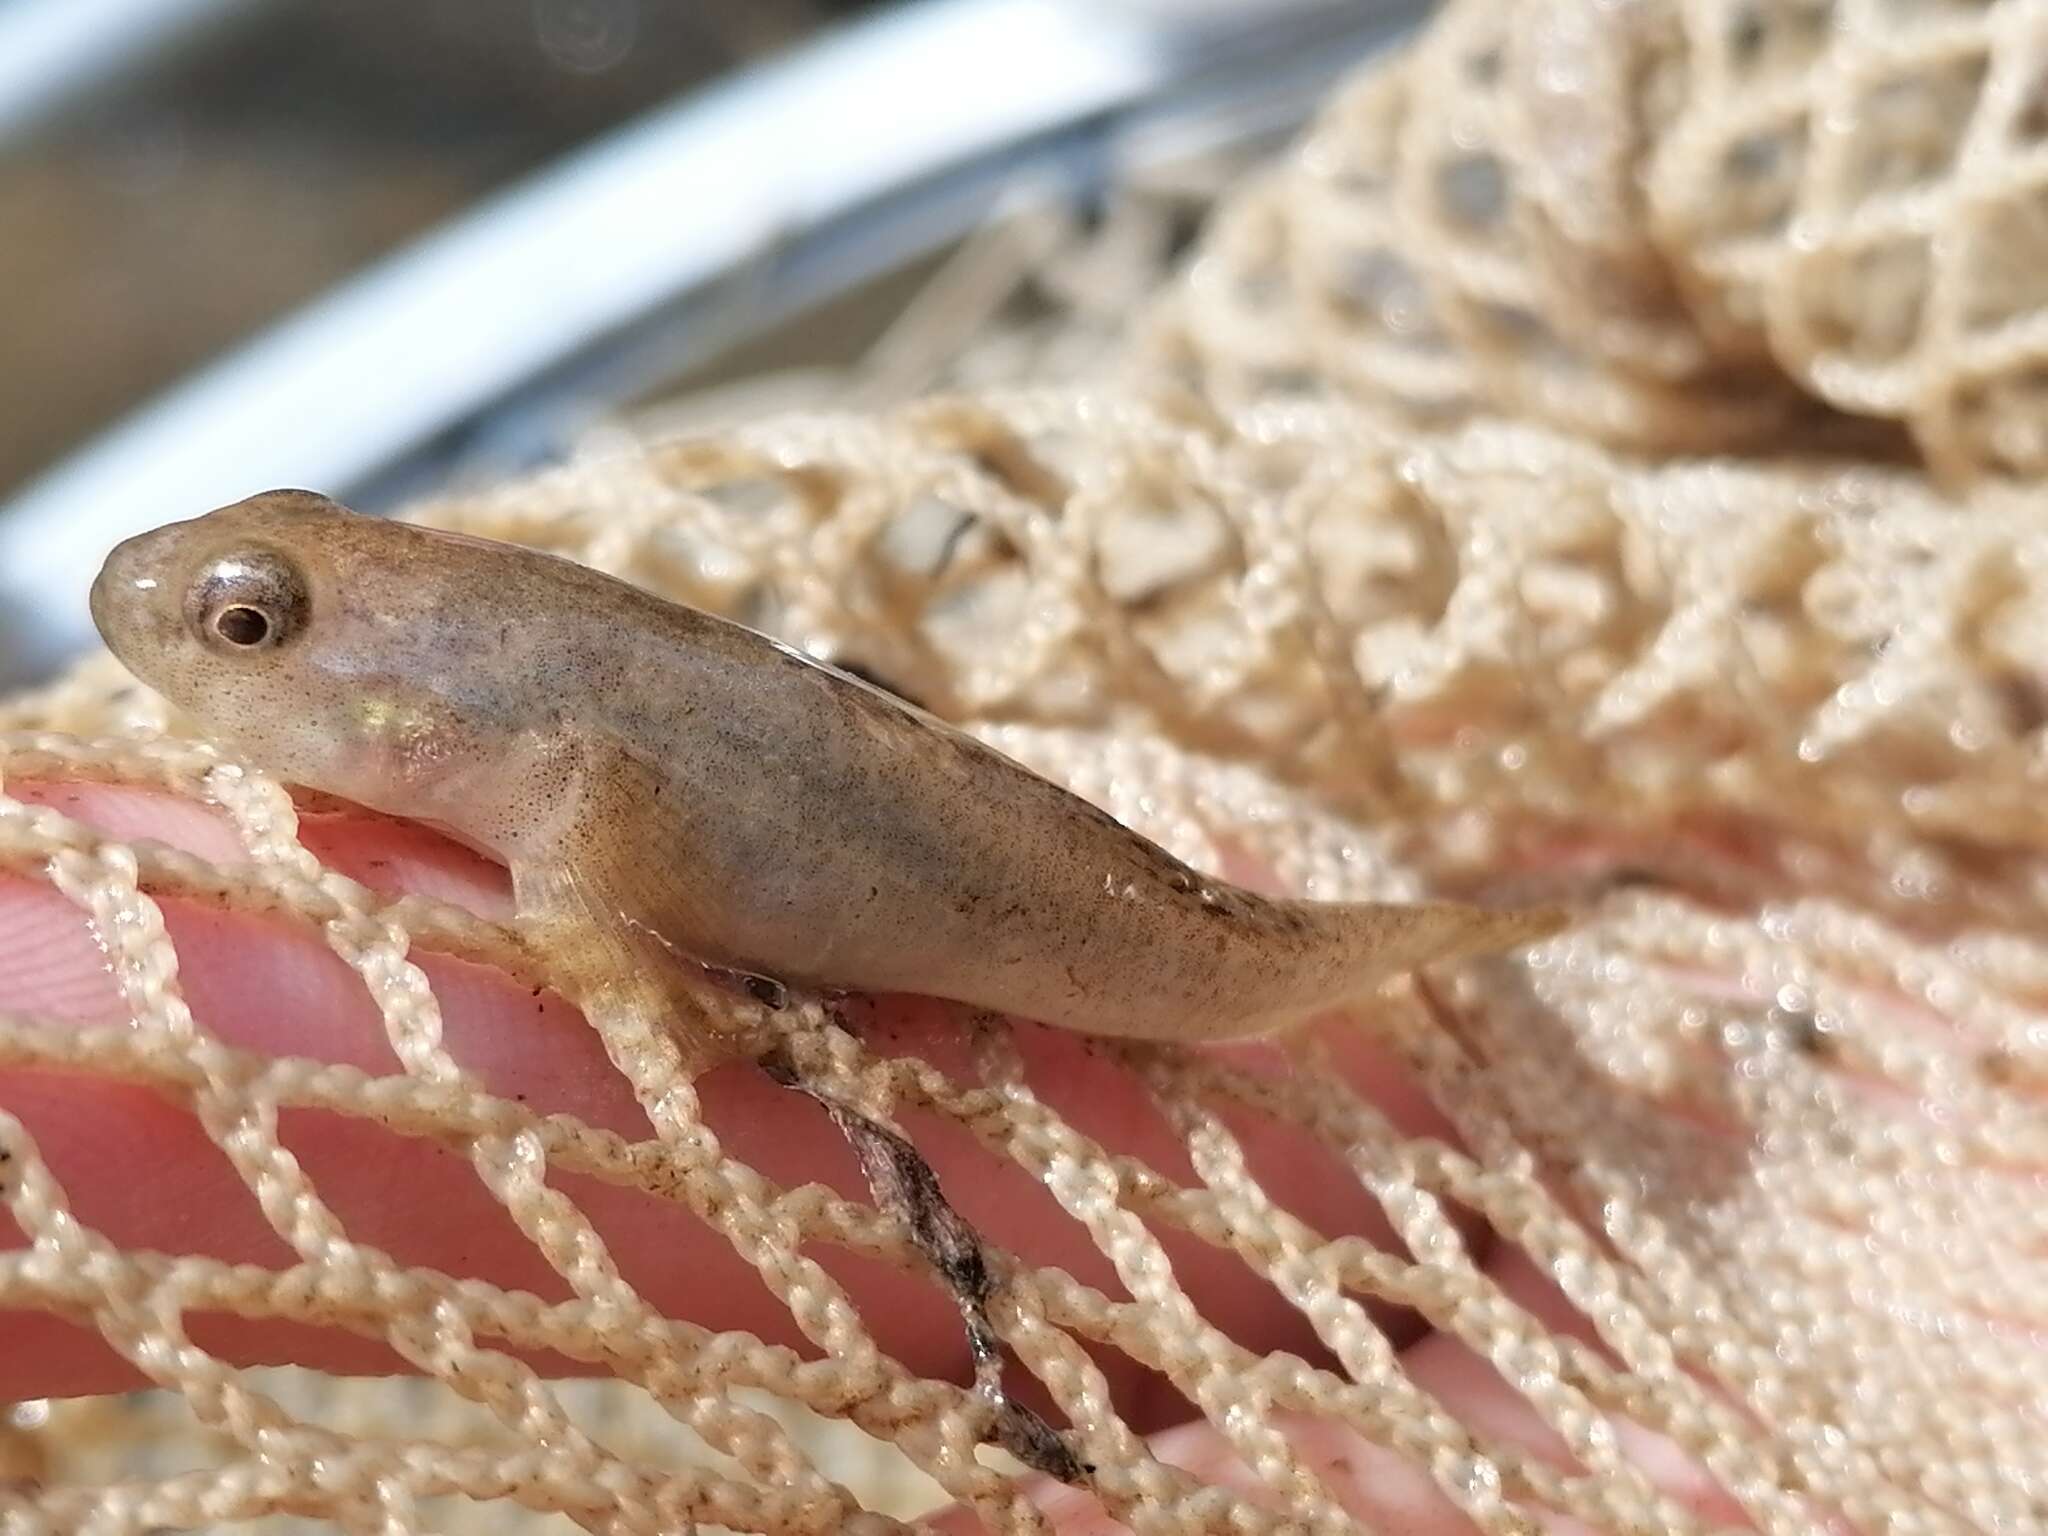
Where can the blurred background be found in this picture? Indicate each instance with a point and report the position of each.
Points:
(382, 246)
(197, 169)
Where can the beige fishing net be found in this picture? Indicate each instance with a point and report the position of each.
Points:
(1381, 556)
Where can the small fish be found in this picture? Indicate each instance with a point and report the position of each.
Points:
(668, 787)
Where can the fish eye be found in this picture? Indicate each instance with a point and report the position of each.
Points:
(239, 624)
(253, 600)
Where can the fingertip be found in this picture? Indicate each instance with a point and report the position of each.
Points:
(132, 812)
(402, 858)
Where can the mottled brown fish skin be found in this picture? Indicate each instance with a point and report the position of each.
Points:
(663, 783)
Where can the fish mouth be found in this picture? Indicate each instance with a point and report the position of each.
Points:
(101, 599)
(128, 576)
(127, 600)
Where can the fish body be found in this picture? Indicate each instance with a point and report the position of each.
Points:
(669, 787)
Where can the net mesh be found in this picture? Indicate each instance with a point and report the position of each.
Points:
(1386, 556)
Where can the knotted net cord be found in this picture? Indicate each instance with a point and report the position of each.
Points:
(1594, 459)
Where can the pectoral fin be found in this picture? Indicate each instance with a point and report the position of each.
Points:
(614, 914)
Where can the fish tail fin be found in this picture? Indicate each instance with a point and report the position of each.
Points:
(1311, 957)
(1395, 938)
(1361, 945)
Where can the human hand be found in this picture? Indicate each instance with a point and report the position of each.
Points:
(141, 1172)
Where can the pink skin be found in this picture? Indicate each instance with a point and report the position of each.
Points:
(138, 1170)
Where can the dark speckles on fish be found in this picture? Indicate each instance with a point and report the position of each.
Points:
(657, 777)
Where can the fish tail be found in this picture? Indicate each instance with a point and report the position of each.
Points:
(1294, 960)
(1388, 940)
(1355, 947)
